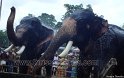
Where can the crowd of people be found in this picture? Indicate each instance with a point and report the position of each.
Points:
(62, 67)
(7, 61)
(65, 67)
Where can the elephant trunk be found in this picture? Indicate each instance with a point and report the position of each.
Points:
(10, 30)
(65, 33)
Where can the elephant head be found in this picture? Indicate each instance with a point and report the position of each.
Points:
(78, 29)
(29, 33)
(32, 36)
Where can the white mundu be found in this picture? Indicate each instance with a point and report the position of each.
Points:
(3, 62)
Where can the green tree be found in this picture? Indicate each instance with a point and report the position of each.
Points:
(58, 25)
(31, 15)
(123, 26)
(48, 20)
(4, 42)
(70, 9)
(89, 7)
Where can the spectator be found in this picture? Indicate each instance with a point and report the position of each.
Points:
(3, 65)
(74, 64)
(10, 62)
(55, 64)
(4, 57)
(68, 70)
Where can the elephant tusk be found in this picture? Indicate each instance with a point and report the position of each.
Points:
(9, 48)
(66, 50)
(21, 50)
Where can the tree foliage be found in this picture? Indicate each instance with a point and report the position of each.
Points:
(31, 15)
(89, 7)
(70, 9)
(123, 26)
(58, 25)
(4, 42)
(48, 20)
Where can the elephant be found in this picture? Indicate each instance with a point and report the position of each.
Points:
(97, 40)
(31, 36)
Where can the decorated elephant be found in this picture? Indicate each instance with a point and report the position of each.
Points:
(31, 36)
(98, 41)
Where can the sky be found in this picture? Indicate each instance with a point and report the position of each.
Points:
(112, 10)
